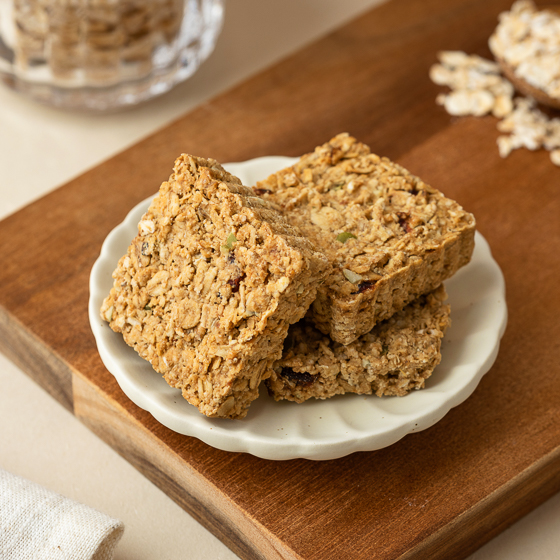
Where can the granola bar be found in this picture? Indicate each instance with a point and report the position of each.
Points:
(397, 356)
(389, 236)
(209, 286)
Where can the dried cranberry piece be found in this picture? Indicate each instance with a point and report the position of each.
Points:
(403, 221)
(365, 286)
(301, 378)
(260, 192)
(234, 283)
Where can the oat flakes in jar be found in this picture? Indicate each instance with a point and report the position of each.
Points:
(103, 54)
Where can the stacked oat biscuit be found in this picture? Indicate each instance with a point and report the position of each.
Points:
(214, 288)
(394, 358)
(390, 238)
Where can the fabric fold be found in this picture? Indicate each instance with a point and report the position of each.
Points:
(40, 524)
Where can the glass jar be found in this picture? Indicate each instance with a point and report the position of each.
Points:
(103, 54)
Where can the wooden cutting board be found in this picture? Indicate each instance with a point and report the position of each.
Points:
(437, 494)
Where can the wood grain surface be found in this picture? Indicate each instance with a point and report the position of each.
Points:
(437, 494)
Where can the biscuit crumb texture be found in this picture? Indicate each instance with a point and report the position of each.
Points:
(209, 286)
(389, 236)
(396, 357)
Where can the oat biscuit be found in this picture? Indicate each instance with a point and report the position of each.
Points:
(208, 288)
(397, 356)
(389, 236)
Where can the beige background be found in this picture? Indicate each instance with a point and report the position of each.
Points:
(41, 148)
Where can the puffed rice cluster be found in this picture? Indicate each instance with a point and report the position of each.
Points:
(478, 88)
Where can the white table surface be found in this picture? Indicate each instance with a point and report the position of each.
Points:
(42, 148)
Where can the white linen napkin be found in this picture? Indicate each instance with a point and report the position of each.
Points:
(38, 524)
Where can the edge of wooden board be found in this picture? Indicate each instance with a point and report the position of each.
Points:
(243, 534)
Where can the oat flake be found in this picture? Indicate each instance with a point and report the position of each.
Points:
(478, 88)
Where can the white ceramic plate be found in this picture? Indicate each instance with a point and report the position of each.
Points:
(315, 429)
